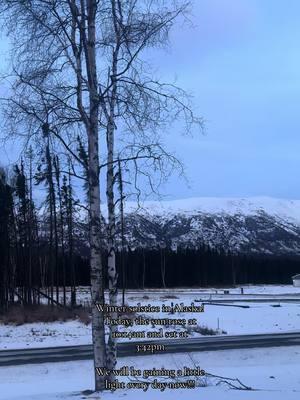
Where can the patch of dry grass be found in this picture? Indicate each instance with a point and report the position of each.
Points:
(169, 297)
(18, 315)
(203, 330)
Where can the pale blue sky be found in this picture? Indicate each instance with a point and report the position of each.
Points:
(241, 61)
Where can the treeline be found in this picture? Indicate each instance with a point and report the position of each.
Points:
(37, 244)
(44, 248)
(156, 268)
(203, 267)
(159, 268)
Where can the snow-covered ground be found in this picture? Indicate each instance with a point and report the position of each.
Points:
(272, 372)
(84, 295)
(258, 318)
(250, 291)
(39, 334)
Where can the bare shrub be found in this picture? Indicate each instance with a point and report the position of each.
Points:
(84, 315)
(203, 330)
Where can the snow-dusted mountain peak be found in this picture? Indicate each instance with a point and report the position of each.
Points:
(247, 225)
(283, 208)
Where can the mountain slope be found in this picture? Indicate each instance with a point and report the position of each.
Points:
(255, 225)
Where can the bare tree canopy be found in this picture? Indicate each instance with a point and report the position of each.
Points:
(79, 75)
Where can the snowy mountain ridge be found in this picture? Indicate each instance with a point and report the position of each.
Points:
(259, 225)
(288, 209)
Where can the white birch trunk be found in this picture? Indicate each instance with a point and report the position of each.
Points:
(111, 351)
(97, 281)
(111, 260)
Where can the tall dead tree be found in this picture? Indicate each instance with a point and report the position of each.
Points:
(68, 212)
(57, 171)
(46, 175)
(7, 245)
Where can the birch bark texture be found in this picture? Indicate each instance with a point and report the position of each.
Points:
(97, 281)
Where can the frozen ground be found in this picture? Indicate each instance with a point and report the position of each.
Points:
(250, 291)
(273, 372)
(259, 318)
(68, 333)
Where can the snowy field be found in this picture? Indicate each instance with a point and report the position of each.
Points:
(258, 318)
(249, 291)
(273, 373)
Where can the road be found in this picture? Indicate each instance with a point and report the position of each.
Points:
(211, 343)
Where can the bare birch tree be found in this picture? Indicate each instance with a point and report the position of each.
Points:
(54, 46)
(133, 101)
(78, 67)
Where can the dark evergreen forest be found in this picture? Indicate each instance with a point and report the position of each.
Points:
(204, 267)
(44, 250)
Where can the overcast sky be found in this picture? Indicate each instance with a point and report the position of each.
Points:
(241, 61)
